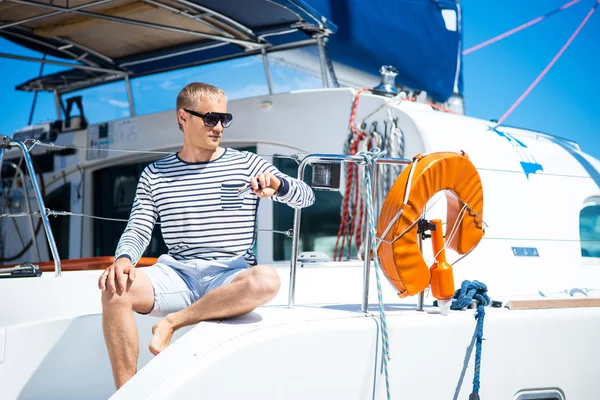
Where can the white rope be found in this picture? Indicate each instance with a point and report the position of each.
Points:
(393, 221)
(453, 232)
(396, 99)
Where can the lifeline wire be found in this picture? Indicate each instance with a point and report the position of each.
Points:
(53, 213)
(37, 142)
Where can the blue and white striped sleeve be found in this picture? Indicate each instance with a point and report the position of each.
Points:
(295, 193)
(138, 232)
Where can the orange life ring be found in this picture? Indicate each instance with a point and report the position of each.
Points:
(401, 259)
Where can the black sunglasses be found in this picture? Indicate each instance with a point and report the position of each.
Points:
(212, 118)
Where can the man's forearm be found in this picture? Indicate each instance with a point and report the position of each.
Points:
(296, 193)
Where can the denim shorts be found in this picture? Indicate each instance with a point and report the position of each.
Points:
(177, 284)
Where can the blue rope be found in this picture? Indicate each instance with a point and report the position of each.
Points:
(464, 296)
(369, 163)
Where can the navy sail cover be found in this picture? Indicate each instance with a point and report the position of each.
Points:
(421, 38)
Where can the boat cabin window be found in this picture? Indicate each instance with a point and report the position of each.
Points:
(60, 199)
(589, 230)
(319, 224)
(114, 198)
(540, 394)
(15, 236)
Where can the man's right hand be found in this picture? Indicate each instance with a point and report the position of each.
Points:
(117, 274)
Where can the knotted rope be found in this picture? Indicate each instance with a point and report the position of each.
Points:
(469, 292)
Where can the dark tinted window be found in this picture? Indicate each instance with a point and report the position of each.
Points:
(60, 200)
(319, 223)
(589, 231)
(113, 198)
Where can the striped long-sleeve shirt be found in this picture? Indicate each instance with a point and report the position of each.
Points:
(200, 212)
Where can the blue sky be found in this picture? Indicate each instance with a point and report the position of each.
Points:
(495, 76)
(565, 102)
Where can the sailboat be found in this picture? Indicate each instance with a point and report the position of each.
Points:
(419, 208)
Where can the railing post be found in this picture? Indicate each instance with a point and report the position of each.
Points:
(367, 237)
(296, 240)
(42, 206)
(336, 159)
(421, 295)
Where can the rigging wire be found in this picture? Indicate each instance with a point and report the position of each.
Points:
(519, 28)
(554, 60)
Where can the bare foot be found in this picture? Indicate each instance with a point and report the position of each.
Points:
(161, 336)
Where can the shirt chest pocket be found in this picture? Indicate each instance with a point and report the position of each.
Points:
(229, 196)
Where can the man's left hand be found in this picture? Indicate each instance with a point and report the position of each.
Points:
(269, 184)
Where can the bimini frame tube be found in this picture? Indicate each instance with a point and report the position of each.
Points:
(4, 141)
(322, 60)
(129, 97)
(332, 159)
(267, 70)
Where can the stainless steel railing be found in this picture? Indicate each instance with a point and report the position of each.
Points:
(335, 159)
(6, 142)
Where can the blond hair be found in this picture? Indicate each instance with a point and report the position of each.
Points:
(195, 92)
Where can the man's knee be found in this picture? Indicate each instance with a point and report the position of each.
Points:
(138, 296)
(264, 282)
(119, 299)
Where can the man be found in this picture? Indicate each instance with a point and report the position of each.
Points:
(208, 228)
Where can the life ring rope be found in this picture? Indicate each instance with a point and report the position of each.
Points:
(380, 239)
(456, 177)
